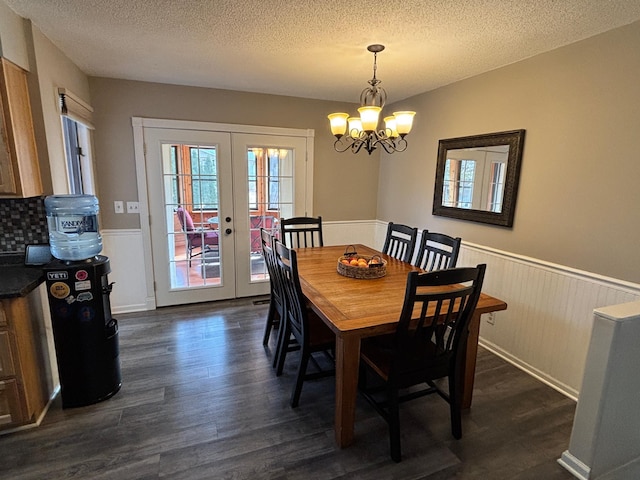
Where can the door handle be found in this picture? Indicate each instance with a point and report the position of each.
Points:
(228, 231)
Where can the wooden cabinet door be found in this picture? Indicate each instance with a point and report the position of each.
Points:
(19, 168)
(7, 367)
(7, 181)
(10, 408)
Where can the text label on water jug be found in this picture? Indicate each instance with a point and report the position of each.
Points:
(75, 224)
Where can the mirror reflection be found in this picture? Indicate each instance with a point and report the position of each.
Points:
(474, 178)
(477, 177)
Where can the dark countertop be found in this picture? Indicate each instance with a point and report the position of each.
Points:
(17, 279)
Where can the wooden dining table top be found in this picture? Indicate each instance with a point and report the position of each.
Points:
(371, 306)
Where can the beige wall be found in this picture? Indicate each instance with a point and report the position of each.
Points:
(337, 196)
(13, 45)
(579, 193)
(54, 70)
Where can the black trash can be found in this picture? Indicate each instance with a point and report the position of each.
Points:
(84, 332)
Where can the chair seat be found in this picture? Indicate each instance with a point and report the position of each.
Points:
(419, 365)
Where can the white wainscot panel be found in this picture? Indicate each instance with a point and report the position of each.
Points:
(547, 325)
(347, 233)
(126, 256)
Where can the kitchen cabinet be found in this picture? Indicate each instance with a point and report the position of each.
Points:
(19, 168)
(22, 397)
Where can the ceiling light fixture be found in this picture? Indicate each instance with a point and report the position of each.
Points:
(363, 130)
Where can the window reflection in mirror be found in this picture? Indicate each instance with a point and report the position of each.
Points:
(477, 177)
(474, 178)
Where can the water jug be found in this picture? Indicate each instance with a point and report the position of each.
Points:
(73, 226)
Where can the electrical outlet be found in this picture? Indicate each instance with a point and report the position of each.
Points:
(491, 318)
(133, 207)
(118, 206)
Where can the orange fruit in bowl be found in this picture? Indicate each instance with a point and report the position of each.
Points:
(345, 261)
(354, 262)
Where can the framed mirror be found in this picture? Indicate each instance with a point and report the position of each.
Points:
(477, 177)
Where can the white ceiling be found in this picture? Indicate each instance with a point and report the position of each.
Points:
(314, 48)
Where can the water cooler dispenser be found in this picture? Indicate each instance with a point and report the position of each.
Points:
(85, 334)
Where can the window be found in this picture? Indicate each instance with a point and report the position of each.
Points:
(252, 171)
(265, 179)
(76, 126)
(273, 192)
(176, 196)
(458, 183)
(204, 183)
(496, 187)
(193, 177)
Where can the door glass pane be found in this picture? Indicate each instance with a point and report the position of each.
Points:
(267, 183)
(191, 208)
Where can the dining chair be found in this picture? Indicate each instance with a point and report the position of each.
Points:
(437, 251)
(204, 239)
(301, 231)
(429, 344)
(400, 241)
(311, 333)
(276, 295)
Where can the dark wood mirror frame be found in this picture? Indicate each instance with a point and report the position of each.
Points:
(515, 140)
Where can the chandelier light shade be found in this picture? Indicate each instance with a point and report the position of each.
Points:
(356, 133)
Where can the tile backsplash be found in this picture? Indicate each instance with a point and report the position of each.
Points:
(22, 221)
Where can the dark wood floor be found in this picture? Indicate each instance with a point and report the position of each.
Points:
(200, 400)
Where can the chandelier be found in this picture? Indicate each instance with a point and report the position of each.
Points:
(356, 133)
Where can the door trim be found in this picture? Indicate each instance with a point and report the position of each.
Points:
(139, 123)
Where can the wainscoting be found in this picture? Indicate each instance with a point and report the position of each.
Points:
(547, 326)
(132, 289)
(545, 331)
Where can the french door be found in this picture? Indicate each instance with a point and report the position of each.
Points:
(209, 193)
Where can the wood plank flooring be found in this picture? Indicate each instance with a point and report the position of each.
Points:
(200, 400)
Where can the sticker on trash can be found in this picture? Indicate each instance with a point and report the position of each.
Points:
(59, 290)
(84, 285)
(57, 275)
(85, 297)
(86, 314)
(62, 310)
(82, 275)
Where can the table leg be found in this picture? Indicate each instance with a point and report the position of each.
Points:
(470, 364)
(347, 362)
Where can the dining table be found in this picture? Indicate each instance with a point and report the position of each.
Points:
(358, 308)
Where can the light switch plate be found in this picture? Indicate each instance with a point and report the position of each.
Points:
(133, 207)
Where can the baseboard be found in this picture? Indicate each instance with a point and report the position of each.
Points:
(534, 372)
(575, 466)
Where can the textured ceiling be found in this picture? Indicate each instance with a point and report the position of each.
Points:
(313, 49)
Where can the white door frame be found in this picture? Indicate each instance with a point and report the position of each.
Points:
(139, 123)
